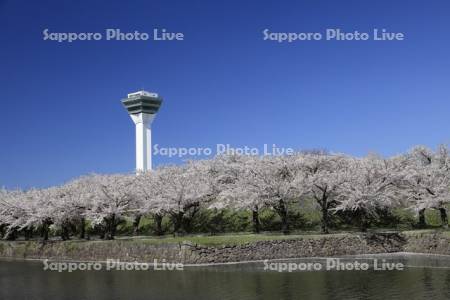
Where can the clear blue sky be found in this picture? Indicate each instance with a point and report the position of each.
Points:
(61, 116)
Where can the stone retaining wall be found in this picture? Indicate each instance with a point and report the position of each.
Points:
(188, 253)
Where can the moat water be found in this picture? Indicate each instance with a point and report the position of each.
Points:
(423, 277)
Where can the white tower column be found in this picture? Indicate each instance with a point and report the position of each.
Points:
(142, 107)
(143, 123)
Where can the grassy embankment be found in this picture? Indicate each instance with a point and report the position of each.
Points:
(244, 238)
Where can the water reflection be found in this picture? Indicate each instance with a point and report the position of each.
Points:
(425, 277)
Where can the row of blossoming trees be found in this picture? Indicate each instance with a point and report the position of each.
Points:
(359, 187)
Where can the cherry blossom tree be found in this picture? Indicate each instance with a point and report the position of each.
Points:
(371, 186)
(419, 179)
(112, 200)
(28, 210)
(427, 181)
(271, 180)
(148, 189)
(234, 185)
(12, 208)
(325, 174)
(4, 201)
(71, 206)
(181, 191)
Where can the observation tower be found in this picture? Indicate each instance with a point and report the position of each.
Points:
(142, 107)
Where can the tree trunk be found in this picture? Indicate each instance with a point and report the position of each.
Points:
(65, 232)
(422, 223)
(136, 221)
(323, 203)
(113, 228)
(2, 230)
(177, 220)
(110, 227)
(11, 235)
(45, 231)
(101, 229)
(283, 212)
(364, 224)
(28, 232)
(187, 220)
(325, 220)
(363, 227)
(158, 222)
(444, 217)
(255, 220)
(82, 228)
